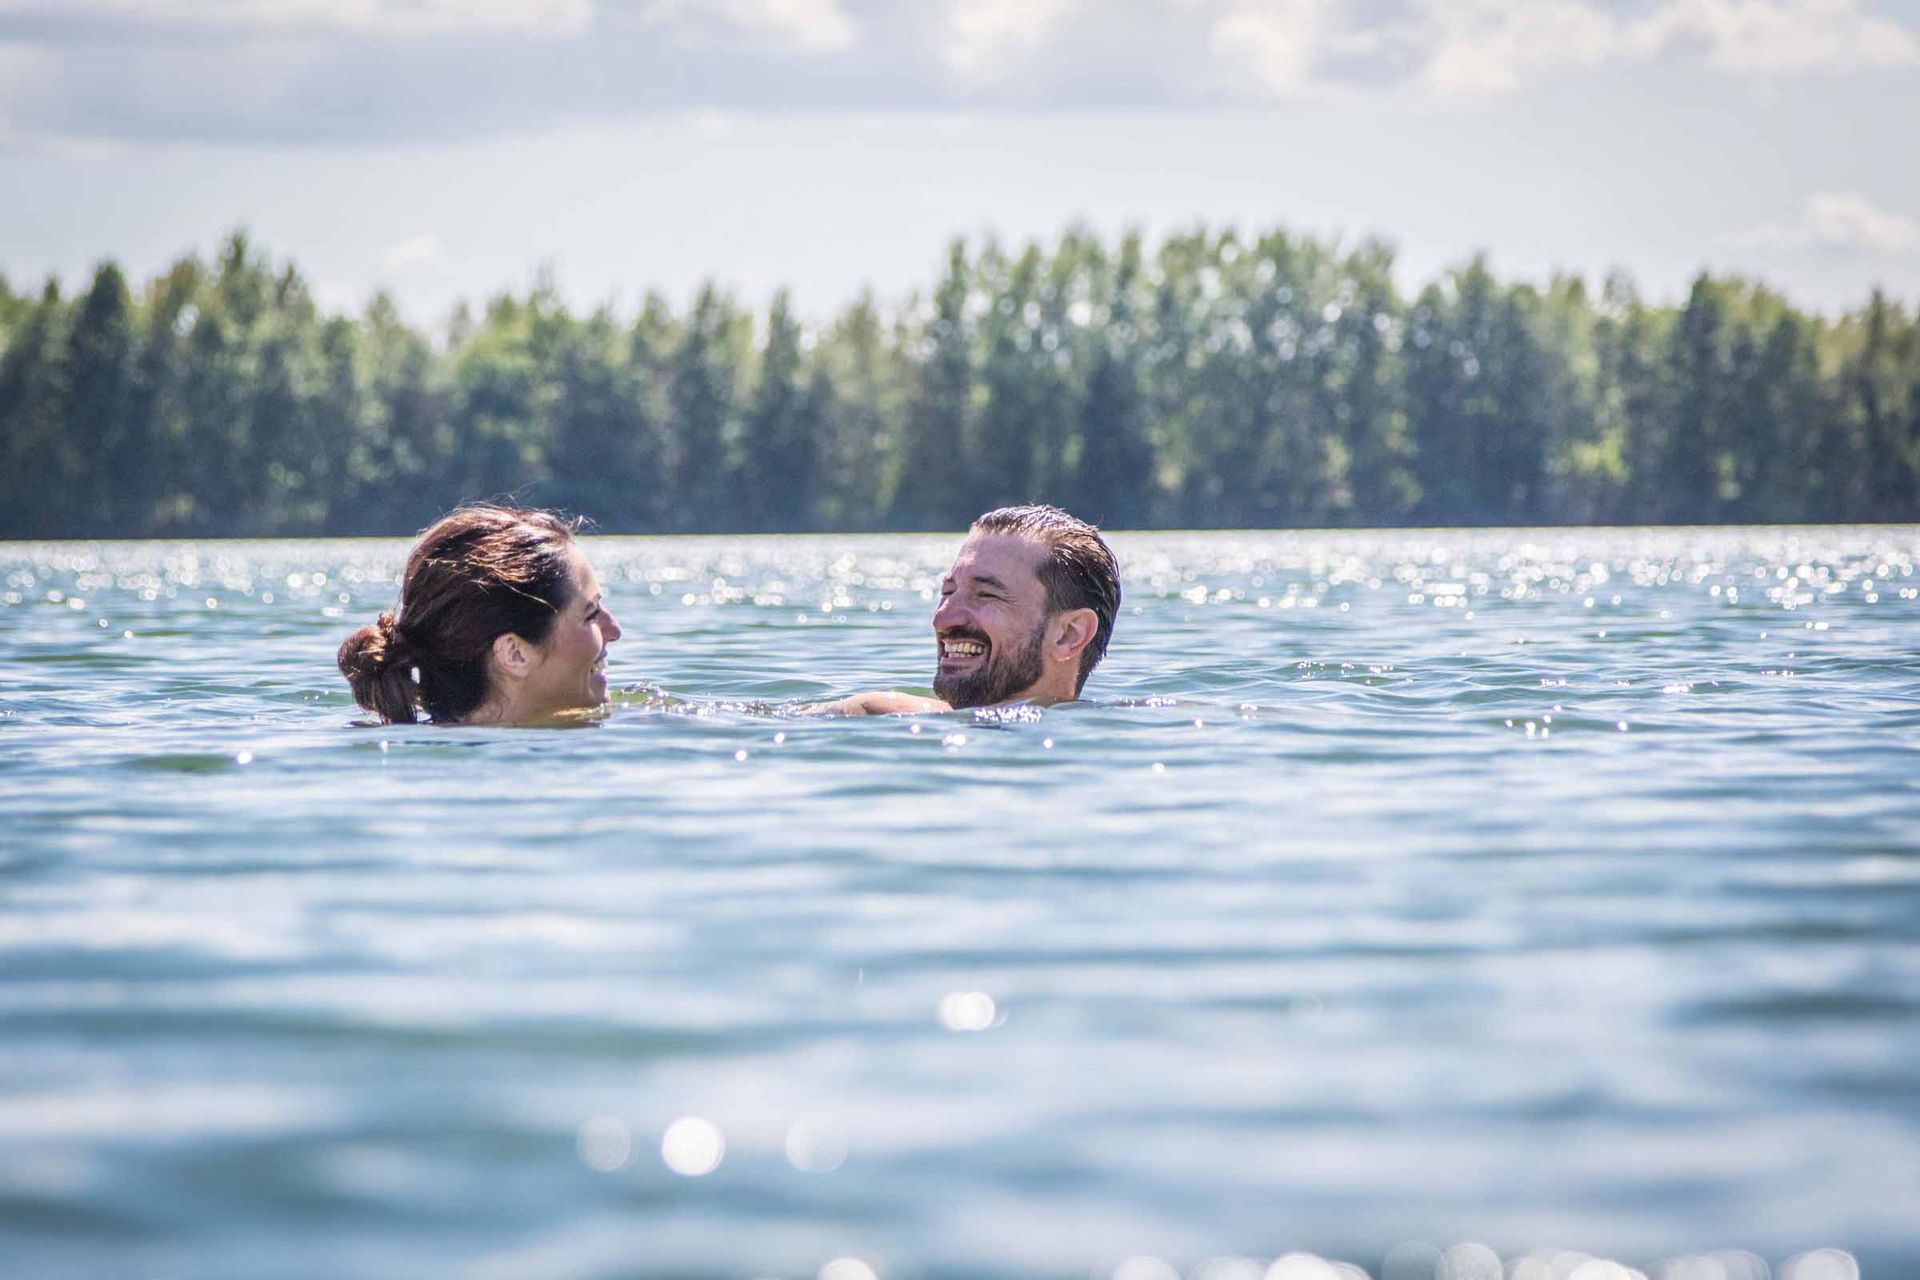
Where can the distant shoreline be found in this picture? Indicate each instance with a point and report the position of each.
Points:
(1208, 380)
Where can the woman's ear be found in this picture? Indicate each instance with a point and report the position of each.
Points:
(512, 656)
(1072, 631)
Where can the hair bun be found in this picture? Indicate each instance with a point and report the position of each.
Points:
(389, 627)
(369, 652)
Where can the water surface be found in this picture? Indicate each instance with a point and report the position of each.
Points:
(1550, 890)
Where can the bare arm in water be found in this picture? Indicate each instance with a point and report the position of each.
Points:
(883, 703)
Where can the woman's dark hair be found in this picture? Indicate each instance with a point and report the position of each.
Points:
(479, 573)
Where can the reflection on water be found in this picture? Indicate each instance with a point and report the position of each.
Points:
(1502, 904)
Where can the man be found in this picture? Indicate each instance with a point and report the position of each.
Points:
(1025, 615)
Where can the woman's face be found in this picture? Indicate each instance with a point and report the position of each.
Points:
(571, 667)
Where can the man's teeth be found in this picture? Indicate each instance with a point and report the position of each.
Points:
(962, 648)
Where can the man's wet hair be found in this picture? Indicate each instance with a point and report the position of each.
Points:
(1078, 573)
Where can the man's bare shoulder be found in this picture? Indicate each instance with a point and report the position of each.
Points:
(880, 703)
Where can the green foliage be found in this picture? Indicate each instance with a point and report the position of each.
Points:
(100, 384)
(704, 378)
(1211, 380)
(939, 447)
(778, 448)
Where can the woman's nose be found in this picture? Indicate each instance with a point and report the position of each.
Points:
(609, 627)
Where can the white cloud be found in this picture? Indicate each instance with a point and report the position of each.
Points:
(1839, 223)
(1447, 47)
(1279, 43)
(1496, 46)
(266, 71)
(805, 26)
(1779, 35)
(1489, 47)
(982, 37)
(553, 17)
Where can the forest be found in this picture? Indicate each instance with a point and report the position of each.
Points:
(1209, 379)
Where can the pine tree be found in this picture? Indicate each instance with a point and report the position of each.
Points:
(604, 462)
(777, 464)
(100, 410)
(37, 464)
(940, 413)
(704, 392)
(1116, 473)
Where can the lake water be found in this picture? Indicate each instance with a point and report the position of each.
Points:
(1531, 894)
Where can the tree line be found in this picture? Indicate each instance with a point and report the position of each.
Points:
(1208, 380)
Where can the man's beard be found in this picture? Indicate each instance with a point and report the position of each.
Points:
(1002, 679)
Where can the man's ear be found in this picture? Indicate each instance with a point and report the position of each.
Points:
(512, 655)
(1073, 630)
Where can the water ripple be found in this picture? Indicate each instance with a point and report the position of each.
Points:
(1525, 887)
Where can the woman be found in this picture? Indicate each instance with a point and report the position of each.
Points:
(500, 622)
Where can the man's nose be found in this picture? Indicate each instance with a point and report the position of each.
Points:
(949, 612)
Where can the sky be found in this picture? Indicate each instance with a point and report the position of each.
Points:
(449, 149)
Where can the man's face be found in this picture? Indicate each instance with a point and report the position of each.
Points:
(991, 622)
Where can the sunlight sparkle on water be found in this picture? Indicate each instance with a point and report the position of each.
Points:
(1146, 1267)
(1229, 1269)
(692, 1146)
(1700, 1267)
(967, 1011)
(1821, 1264)
(1604, 1269)
(816, 1145)
(605, 1143)
(1470, 1261)
(1361, 926)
